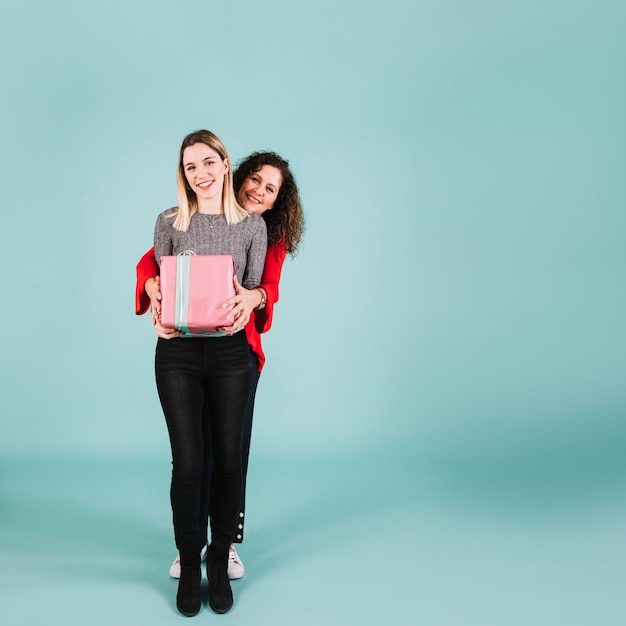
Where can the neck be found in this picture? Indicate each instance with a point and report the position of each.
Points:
(212, 206)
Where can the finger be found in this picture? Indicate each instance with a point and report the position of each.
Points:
(167, 333)
(235, 316)
(232, 314)
(230, 330)
(167, 330)
(235, 300)
(158, 285)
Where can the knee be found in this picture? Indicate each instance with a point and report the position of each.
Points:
(228, 466)
(187, 471)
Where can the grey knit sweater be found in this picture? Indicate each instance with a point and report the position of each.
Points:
(246, 242)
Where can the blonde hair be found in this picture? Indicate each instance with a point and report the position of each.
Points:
(187, 200)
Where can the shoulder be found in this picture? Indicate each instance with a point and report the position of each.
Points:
(167, 217)
(256, 222)
(168, 213)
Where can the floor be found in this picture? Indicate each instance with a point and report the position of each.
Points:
(364, 540)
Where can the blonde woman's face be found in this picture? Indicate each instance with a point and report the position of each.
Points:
(259, 191)
(204, 170)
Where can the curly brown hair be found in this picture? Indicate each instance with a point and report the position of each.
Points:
(285, 222)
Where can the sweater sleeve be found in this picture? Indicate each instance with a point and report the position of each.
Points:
(271, 277)
(163, 235)
(146, 268)
(256, 255)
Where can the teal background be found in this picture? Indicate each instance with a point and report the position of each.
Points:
(439, 430)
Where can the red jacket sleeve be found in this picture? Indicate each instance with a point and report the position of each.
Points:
(274, 260)
(146, 268)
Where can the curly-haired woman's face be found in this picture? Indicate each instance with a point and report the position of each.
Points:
(259, 191)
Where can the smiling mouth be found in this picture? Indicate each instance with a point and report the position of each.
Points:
(253, 199)
(205, 185)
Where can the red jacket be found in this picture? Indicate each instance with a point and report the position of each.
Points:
(260, 321)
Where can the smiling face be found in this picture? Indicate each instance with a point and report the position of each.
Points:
(259, 190)
(204, 170)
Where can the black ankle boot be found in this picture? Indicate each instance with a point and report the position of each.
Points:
(220, 593)
(188, 599)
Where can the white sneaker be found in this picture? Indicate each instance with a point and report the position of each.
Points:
(235, 566)
(175, 566)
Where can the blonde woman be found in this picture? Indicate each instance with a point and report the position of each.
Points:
(192, 372)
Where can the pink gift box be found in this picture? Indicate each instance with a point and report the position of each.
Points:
(194, 289)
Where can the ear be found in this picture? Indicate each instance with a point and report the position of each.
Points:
(226, 166)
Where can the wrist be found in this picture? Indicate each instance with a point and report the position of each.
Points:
(148, 286)
(263, 299)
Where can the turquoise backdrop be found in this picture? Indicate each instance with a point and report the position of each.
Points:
(445, 375)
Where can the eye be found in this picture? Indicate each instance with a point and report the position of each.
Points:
(208, 163)
(271, 190)
(189, 168)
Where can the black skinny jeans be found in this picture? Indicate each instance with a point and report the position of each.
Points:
(190, 373)
(245, 456)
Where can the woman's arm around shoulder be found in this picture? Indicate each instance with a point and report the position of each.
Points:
(274, 261)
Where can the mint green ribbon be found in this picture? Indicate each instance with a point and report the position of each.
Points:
(183, 270)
